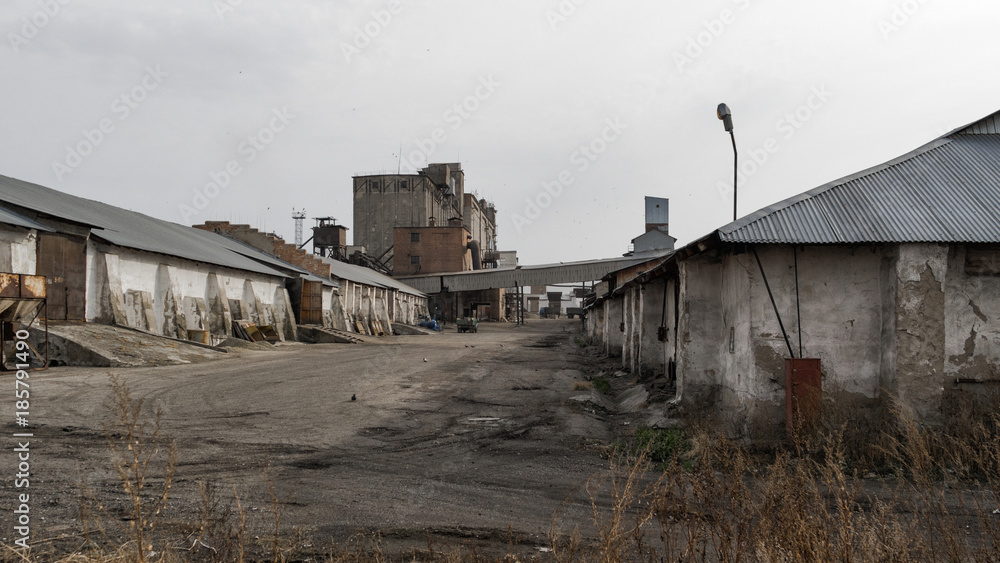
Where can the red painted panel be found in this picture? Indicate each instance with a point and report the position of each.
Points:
(803, 393)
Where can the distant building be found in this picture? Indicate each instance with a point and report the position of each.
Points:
(657, 237)
(434, 196)
(430, 250)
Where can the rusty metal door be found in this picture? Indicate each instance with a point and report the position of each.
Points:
(803, 394)
(63, 262)
(312, 303)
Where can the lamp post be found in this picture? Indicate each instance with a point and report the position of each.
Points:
(726, 116)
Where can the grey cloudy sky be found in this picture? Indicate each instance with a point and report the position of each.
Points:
(142, 104)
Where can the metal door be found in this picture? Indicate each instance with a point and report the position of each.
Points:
(803, 394)
(312, 303)
(63, 262)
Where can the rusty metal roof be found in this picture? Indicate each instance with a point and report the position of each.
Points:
(946, 191)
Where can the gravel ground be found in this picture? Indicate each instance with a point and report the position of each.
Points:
(453, 439)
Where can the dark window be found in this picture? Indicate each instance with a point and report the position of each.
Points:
(414, 259)
(414, 237)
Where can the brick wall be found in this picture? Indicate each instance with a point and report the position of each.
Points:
(269, 244)
(440, 249)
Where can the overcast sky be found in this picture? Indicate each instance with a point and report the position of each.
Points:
(241, 110)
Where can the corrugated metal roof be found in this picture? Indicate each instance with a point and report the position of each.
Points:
(130, 229)
(8, 217)
(945, 191)
(367, 276)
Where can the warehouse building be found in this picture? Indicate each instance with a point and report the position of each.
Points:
(104, 264)
(890, 278)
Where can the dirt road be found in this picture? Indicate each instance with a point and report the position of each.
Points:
(453, 437)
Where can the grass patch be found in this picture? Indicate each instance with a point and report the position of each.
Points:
(659, 446)
(601, 384)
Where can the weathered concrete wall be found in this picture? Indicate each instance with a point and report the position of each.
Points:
(972, 314)
(841, 303)
(701, 331)
(18, 249)
(633, 326)
(614, 337)
(654, 354)
(920, 327)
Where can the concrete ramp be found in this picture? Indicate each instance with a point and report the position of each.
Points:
(314, 334)
(96, 345)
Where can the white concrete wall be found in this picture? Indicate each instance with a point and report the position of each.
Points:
(179, 289)
(18, 249)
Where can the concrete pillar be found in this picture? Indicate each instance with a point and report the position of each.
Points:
(169, 308)
(255, 309)
(285, 316)
(920, 328)
(111, 308)
(220, 315)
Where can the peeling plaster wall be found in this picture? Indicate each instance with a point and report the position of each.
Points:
(183, 295)
(920, 327)
(18, 249)
(972, 314)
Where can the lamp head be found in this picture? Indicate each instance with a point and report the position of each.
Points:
(725, 115)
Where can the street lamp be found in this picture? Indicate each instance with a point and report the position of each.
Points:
(726, 116)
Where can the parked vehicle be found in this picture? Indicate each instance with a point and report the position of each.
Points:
(467, 325)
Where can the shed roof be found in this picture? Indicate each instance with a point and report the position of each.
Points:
(130, 229)
(8, 217)
(945, 191)
(367, 276)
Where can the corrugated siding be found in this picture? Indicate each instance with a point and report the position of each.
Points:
(948, 193)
